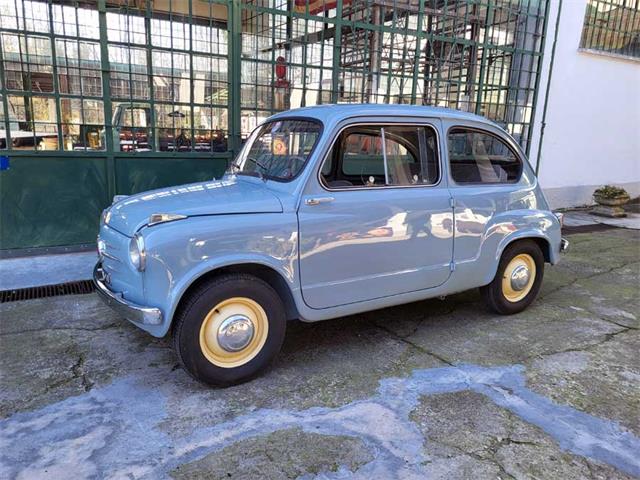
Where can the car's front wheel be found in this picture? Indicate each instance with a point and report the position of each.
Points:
(518, 279)
(229, 329)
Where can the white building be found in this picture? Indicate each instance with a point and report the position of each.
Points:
(591, 134)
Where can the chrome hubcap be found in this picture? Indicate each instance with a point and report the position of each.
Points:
(520, 278)
(235, 333)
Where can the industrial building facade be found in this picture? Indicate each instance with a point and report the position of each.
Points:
(110, 97)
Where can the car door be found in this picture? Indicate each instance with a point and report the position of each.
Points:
(377, 219)
(486, 180)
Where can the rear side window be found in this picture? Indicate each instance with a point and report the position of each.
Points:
(371, 155)
(480, 157)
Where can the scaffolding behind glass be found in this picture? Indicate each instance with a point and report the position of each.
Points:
(185, 77)
(481, 56)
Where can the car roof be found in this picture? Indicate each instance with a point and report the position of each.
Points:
(335, 112)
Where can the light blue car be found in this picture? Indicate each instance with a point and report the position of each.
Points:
(327, 211)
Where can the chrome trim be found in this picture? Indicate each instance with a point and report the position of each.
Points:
(108, 255)
(235, 333)
(520, 278)
(318, 200)
(564, 245)
(384, 157)
(405, 123)
(133, 312)
(157, 218)
(103, 248)
(117, 198)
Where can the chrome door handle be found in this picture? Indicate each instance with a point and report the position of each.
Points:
(318, 200)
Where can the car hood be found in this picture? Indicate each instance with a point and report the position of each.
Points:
(219, 197)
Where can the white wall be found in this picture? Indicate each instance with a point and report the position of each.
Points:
(592, 133)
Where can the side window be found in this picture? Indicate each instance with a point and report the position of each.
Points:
(411, 155)
(361, 155)
(373, 156)
(478, 157)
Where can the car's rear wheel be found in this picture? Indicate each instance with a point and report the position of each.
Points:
(229, 329)
(518, 279)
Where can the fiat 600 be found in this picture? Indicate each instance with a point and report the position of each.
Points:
(327, 211)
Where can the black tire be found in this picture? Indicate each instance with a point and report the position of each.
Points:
(199, 304)
(493, 294)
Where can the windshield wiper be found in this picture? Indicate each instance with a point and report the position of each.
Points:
(236, 166)
(253, 160)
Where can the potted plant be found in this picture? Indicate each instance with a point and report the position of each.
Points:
(610, 200)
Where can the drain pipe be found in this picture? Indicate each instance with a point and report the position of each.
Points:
(546, 95)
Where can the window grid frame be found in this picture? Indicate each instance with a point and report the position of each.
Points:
(597, 23)
(505, 93)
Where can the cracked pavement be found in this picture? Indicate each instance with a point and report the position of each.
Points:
(433, 389)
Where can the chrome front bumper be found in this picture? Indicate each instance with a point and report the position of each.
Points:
(564, 245)
(129, 310)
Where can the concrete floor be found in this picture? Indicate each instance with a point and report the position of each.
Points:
(434, 389)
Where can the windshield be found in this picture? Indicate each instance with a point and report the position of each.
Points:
(278, 150)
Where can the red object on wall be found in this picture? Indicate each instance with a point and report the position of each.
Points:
(281, 68)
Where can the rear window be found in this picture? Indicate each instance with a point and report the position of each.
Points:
(481, 157)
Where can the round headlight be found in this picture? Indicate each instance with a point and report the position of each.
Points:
(137, 254)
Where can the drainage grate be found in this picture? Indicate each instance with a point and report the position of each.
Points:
(72, 288)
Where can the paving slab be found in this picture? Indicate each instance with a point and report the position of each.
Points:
(433, 389)
(579, 218)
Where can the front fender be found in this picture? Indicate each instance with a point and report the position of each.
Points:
(178, 253)
(202, 269)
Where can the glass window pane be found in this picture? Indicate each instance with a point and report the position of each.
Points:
(33, 123)
(82, 124)
(210, 125)
(24, 15)
(132, 127)
(28, 63)
(171, 76)
(361, 156)
(86, 80)
(612, 26)
(411, 155)
(209, 80)
(174, 127)
(128, 77)
(72, 21)
(125, 28)
(170, 34)
(209, 39)
(478, 157)
(279, 149)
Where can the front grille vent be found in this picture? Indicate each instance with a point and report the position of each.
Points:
(72, 288)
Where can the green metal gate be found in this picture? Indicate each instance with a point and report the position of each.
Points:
(115, 97)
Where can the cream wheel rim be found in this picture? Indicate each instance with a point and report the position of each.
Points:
(233, 332)
(518, 277)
